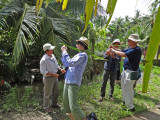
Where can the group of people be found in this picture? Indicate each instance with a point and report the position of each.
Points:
(76, 66)
(73, 78)
(130, 69)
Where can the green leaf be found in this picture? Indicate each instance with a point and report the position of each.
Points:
(152, 49)
(47, 1)
(88, 12)
(95, 12)
(110, 9)
(88, 52)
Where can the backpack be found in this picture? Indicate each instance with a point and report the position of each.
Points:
(92, 116)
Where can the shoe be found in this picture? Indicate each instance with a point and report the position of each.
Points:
(48, 110)
(132, 110)
(123, 103)
(56, 106)
(111, 98)
(100, 99)
(158, 106)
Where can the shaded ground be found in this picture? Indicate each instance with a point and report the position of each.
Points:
(57, 114)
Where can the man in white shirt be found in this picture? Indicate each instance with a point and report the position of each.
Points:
(49, 68)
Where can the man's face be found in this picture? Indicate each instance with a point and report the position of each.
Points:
(79, 46)
(130, 42)
(49, 52)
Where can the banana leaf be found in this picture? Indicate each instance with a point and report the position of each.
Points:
(152, 49)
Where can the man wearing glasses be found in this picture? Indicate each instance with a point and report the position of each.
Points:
(73, 78)
(131, 63)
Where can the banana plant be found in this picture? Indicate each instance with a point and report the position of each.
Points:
(152, 49)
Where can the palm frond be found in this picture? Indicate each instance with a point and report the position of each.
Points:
(61, 29)
(11, 13)
(76, 8)
(3, 22)
(27, 27)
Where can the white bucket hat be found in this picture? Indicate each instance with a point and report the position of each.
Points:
(48, 46)
(134, 37)
(84, 40)
(116, 41)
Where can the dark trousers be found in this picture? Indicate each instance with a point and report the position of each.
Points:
(118, 77)
(106, 75)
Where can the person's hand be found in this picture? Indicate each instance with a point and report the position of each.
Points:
(56, 75)
(112, 50)
(111, 46)
(112, 55)
(63, 71)
(107, 52)
(63, 48)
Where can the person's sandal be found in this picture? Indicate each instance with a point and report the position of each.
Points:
(111, 98)
(56, 106)
(100, 99)
(48, 110)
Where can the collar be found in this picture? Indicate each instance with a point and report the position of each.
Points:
(47, 57)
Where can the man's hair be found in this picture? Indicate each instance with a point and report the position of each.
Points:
(85, 47)
(48, 50)
(45, 51)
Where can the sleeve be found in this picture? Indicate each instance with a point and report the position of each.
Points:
(43, 67)
(56, 61)
(64, 63)
(105, 55)
(72, 62)
(130, 53)
(125, 50)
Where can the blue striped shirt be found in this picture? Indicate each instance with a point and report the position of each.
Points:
(76, 66)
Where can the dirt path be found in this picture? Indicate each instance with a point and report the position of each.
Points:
(153, 114)
(57, 114)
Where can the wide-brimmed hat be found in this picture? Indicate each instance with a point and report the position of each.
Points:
(84, 41)
(134, 37)
(116, 41)
(48, 46)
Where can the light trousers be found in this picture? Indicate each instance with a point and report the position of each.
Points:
(127, 89)
(51, 91)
